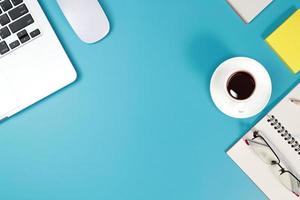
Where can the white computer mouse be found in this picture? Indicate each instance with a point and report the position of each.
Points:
(87, 19)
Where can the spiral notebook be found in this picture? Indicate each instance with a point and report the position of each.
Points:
(281, 129)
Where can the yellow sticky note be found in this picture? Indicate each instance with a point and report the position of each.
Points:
(285, 41)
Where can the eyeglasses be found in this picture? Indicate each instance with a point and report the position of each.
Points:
(264, 151)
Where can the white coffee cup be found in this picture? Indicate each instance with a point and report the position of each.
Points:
(241, 85)
(241, 107)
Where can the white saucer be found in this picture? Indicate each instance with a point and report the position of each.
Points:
(260, 97)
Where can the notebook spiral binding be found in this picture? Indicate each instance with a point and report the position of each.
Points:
(284, 133)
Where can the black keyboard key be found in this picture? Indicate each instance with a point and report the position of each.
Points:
(3, 48)
(18, 12)
(21, 23)
(23, 36)
(14, 44)
(35, 33)
(4, 32)
(4, 19)
(6, 5)
(16, 2)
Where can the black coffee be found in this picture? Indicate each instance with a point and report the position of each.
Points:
(241, 85)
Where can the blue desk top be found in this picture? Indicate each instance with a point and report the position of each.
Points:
(139, 123)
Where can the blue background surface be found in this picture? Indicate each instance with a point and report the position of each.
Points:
(139, 123)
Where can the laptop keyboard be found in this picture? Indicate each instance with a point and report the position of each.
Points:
(17, 26)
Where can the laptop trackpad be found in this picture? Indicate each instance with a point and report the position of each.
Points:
(8, 100)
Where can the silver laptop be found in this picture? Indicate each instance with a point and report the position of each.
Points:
(33, 63)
